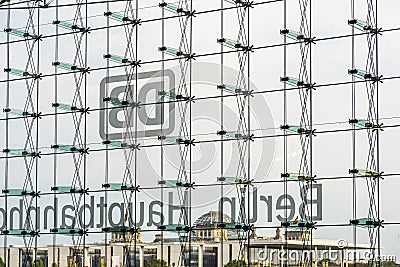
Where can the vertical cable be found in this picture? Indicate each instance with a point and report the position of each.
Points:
(285, 122)
(7, 104)
(107, 163)
(311, 127)
(190, 135)
(136, 129)
(37, 223)
(55, 225)
(249, 233)
(377, 134)
(353, 117)
(221, 208)
(85, 248)
(162, 99)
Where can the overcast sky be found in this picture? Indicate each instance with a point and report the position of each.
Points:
(331, 109)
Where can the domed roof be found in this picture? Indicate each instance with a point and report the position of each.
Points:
(211, 218)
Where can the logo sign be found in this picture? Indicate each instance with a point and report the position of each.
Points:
(150, 116)
(206, 117)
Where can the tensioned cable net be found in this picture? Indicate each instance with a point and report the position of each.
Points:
(199, 133)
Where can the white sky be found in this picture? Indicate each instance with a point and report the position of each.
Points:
(331, 60)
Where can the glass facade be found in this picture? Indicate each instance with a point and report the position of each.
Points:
(123, 120)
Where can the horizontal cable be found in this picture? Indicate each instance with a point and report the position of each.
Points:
(194, 228)
(197, 56)
(141, 21)
(214, 140)
(195, 185)
(206, 98)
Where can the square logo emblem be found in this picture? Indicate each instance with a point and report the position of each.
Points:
(150, 117)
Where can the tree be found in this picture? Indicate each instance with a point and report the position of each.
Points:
(155, 263)
(388, 264)
(236, 263)
(38, 263)
(1, 262)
